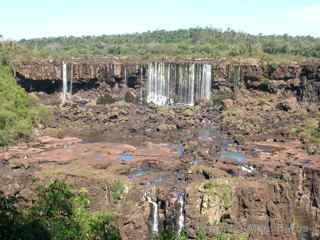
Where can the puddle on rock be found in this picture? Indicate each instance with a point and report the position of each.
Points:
(140, 171)
(126, 157)
(237, 157)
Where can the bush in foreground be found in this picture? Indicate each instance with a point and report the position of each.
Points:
(18, 112)
(58, 213)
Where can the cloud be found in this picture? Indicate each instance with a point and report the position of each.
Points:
(309, 13)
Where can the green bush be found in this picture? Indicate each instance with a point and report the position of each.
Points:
(117, 189)
(15, 224)
(66, 215)
(310, 130)
(55, 210)
(102, 227)
(200, 234)
(170, 235)
(58, 213)
(265, 85)
(18, 112)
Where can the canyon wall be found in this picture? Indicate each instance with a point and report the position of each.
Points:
(191, 78)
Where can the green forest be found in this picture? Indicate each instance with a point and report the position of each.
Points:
(185, 43)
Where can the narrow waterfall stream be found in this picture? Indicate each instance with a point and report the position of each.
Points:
(180, 217)
(154, 216)
(64, 83)
(125, 75)
(182, 84)
(66, 79)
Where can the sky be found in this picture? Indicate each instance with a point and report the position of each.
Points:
(48, 18)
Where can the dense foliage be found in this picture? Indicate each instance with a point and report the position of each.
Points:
(194, 42)
(18, 111)
(58, 213)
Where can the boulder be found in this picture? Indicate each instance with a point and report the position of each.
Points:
(289, 104)
(131, 96)
(227, 103)
(166, 127)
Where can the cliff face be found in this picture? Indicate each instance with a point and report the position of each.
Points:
(89, 69)
(81, 70)
(303, 79)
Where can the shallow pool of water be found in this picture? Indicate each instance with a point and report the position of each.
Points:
(233, 156)
(126, 157)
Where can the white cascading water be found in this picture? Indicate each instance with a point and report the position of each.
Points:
(64, 82)
(125, 75)
(206, 84)
(158, 83)
(154, 216)
(66, 77)
(181, 84)
(180, 218)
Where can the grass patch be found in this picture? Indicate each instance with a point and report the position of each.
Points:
(227, 236)
(218, 97)
(221, 189)
(19, 113)
(239, 120)
(310, 130)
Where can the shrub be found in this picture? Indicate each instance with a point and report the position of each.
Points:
(310, 131)
(55, 210)
(58, 213)
(105, 99)
(200, 234)
(65, 214)
(14, 224)
(170, 235)
(117, 189)
(11, 221)
(102, 227)
(18, 112)
(265, 85)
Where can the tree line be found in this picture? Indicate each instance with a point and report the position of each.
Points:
(184, 43)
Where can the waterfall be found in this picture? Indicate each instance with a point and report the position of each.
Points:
(180, 217)
(158, 83)
(66, 76)
(64, 82)
(125, 75)
(154, 216)
(181, 84)
(206, 78)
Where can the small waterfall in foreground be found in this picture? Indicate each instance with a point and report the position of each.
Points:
(181, 84)
(154, 215)
(181, 209)
(66, 77)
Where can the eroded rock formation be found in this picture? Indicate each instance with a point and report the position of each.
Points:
(303, 78)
